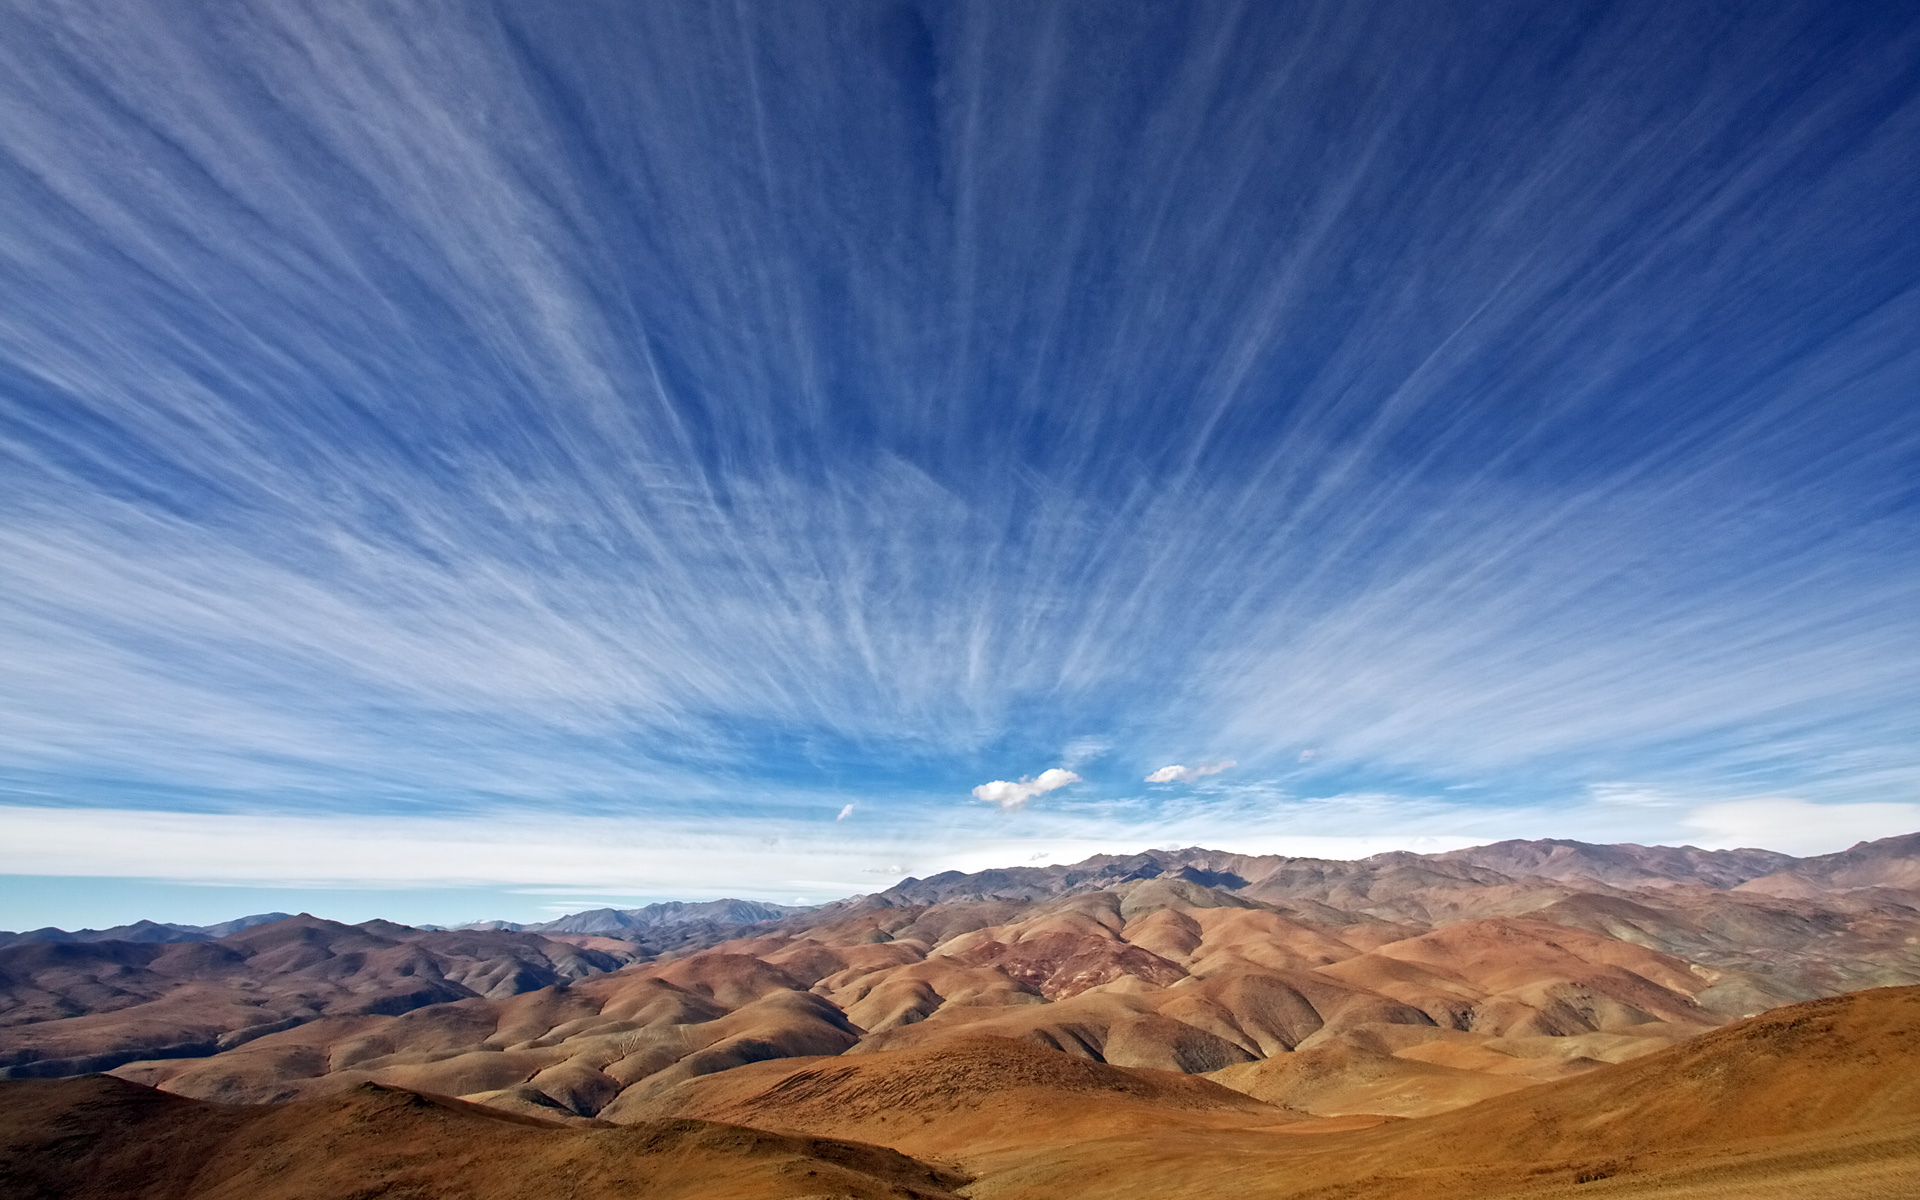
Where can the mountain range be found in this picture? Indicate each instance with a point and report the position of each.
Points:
(1023, 1031)
(144, 932)
(666, 915)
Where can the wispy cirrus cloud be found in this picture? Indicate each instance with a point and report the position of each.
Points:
(1179, 774)
(452, 411)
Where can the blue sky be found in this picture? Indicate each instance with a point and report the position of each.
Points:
(471, 460)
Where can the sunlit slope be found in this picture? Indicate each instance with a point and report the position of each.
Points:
(1815, 1100)
(962, 1100)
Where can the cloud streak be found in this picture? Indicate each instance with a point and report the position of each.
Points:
(1179, 774)
(633, 414)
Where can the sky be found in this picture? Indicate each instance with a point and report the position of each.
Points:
(469, 460)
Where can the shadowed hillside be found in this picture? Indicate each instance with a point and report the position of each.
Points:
(68, 1008)
(103, 1138)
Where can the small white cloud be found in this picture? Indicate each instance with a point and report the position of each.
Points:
(1014, 794)
(1308, 755)
(1798, 827)
(1180, 774)
(845, 813)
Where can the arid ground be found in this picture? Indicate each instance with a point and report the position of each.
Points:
(1520, 1019)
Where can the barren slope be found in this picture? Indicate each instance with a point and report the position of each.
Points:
(1155, 974)
(1401, 985)
(70, 1008)
(102, 1138)
(964, 1099)
(1817, 1100)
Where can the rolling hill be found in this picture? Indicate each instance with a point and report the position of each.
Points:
(1816, 1101)
(1193, 990)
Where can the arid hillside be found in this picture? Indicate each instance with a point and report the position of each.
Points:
(1398, 986)
(67, 1008)
(99, 1138)
(1819, 1101)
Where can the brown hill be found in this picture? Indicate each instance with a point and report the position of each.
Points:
(1623, 865)
(68, 1008)
(100, 1137)
(964, 1099)
(1890, 863)
(1155, 973)
(1845, 1063)
(1423, 982)
(1819, 1100)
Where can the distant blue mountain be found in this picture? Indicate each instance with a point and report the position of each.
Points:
(237, 924)
(143, 931)
(614, 922)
